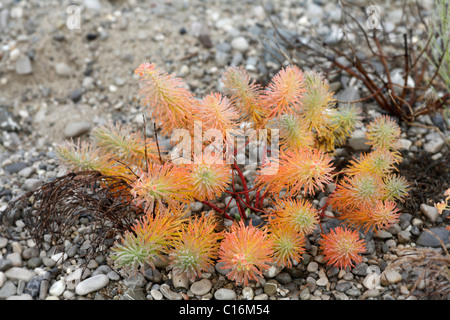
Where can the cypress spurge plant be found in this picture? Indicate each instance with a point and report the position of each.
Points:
(298, 104)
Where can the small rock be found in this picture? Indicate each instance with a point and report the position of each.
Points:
(2, 279)
(134, 294)
(76, 129)
(26, 172)
(23, 65)
(5, 264)
(427, 239)
(390, 276)
(156, 294)
(371, 281)
(322, 281)
(92, 284)
(63, 69)
(248, 293)
(312, 266)
(240, 44)
(15, 167)
(76, 95)
(404, 144)
(225, 294)
(270, 287)
(3, 242)
(434, 145)
(180, 280)
(273, 271)
(261, 296)
(404, 237)
(358, 140)
(430, 212)
(219, 268)
(360, 269)
(58, 288)
(21, 297)
(32, 184)
(16, 273)
(201, 287)
(33, 286)
(15, 258)
(205, 40)
(169, 294)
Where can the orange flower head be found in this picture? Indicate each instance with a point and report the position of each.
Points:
(378, 216)
(166, 97)
(298, 215)
(285, 92)
(288, 245)
(383, 132)
(307, 168)
(342, 247)
(195, 247)
(247, 251)
(162, 183)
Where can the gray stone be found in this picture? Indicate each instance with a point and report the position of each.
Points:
(156, 294)
(169, 294)
(180, 280)
(240, 44)
(5, 264)
(284, 278)
(34, 262)
(76, 129)
(270, 287)
(135, 281)
(3, 242)
(390, 276)
(248, 293)
(225, 294)
(358, 140)
(426, 239)
(33, 286)
(32, 184)
(434, 145)
(153, 275)
(7, 290)
(23, 65)
(134, 294)
(26, 172)
(92, 284)
(360, 269)
(430, 212)
(29, 253)
(201, 287)
(76, 95)
(62, 69)
(16, 273)
(404, 237)
(343, 286)
(15, 167)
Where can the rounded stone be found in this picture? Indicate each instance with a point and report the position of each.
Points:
(201, 287)
(92, 284)
(225, 294)
(240, 44)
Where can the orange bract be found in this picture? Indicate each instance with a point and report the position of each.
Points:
(247, 251)
(195, 247)
(298, 215)
(307, 168)
(288, 245)
(376, 216)
(342, 247)
(162, 184)
(284, 93)
(166, 97)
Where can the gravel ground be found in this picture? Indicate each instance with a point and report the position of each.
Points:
(58, 84)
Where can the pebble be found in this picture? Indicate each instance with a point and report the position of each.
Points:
(180, 280)
(426, 239)
(273, 271)
(91, 284)
(2, 278)
(76, 129)
(201, 287)
(390, 276)
(430, 212)
(156, 294)
(62, 69)
(434, 145)
(23, 65)
(15, 258)
(16, 273)
(240, 44)
(168, 293)
(270, 287)
(225, 294)
(248, 293)
(371, 281)
(32, 184)
(58, 288)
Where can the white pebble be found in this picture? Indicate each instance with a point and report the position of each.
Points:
(58, 288)
(92, 284)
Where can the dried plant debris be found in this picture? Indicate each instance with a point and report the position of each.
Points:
(430, 271)
(57, 206)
